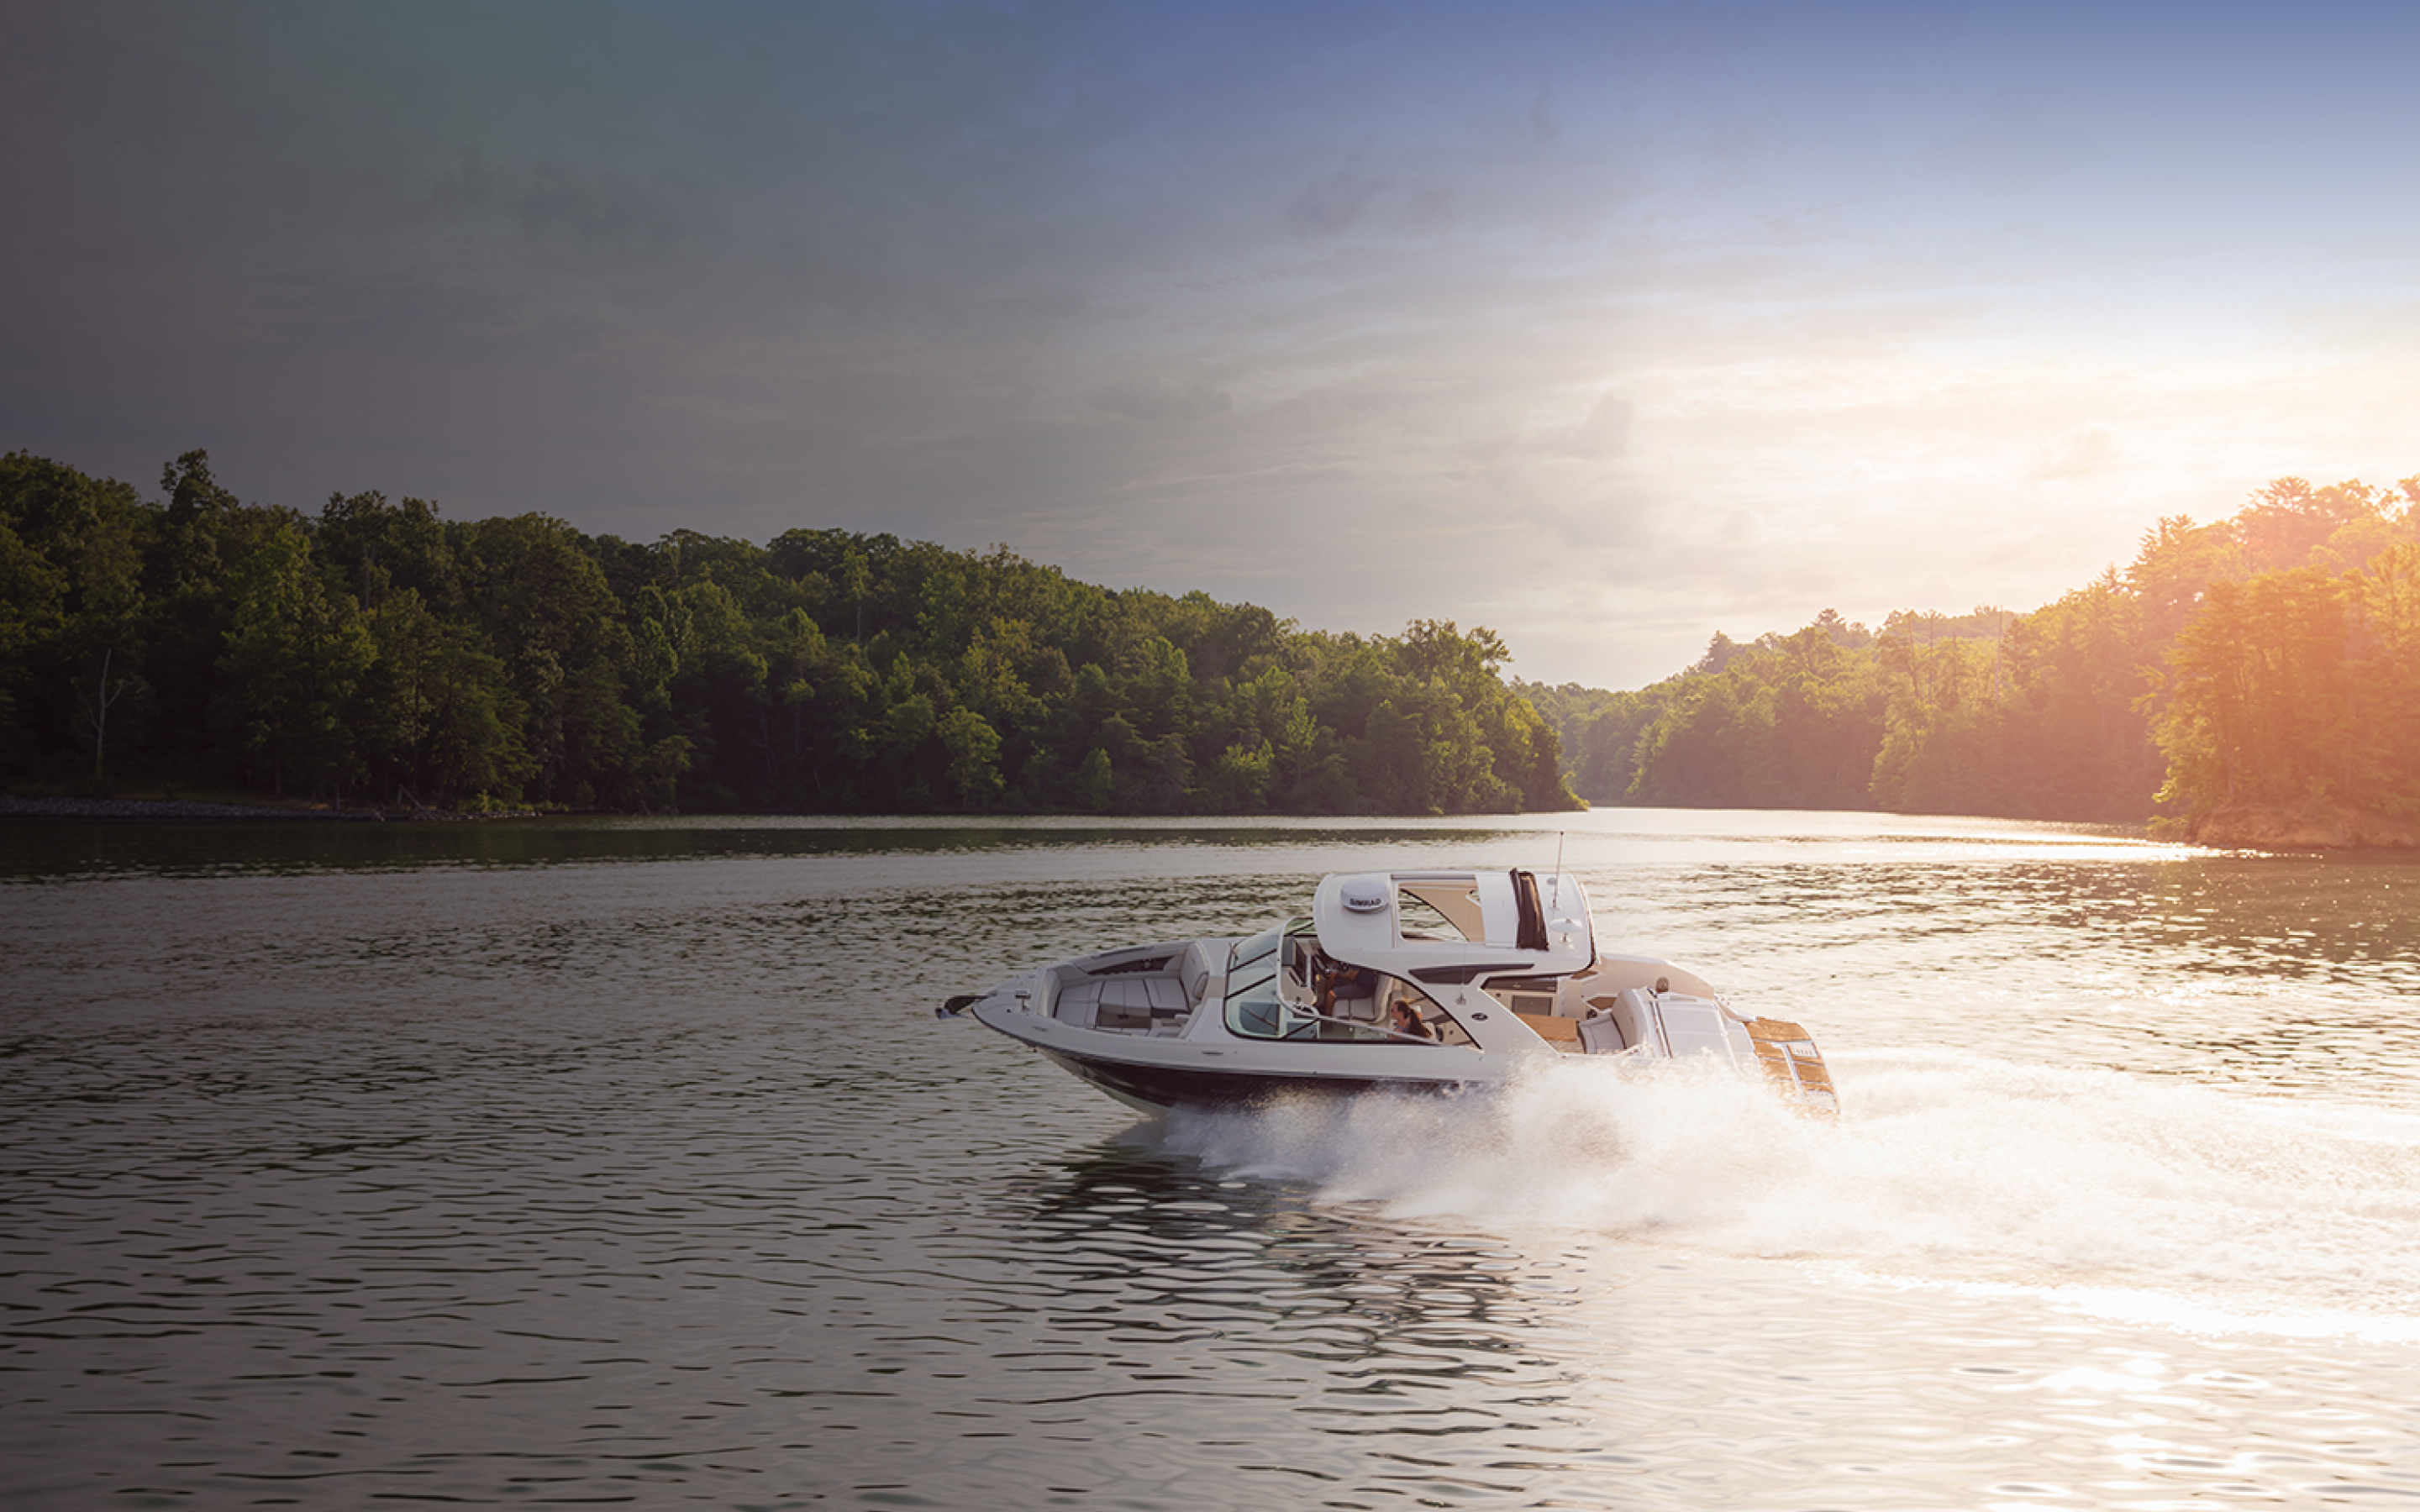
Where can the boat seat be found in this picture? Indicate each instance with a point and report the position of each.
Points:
(1362, 1009)
(1078, 1004)
(1126, 1002)
(1348, 998)
(1601, 1037)
(1195, 972)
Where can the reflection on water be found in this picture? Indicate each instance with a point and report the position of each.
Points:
(626, 1164)
(1250, 1291)
(51, 849)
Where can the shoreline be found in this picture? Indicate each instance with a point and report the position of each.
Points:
(2309, 826)
(2314, 825)
(14, 808)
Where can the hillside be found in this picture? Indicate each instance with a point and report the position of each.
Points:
(2257, 678)
(378, 652)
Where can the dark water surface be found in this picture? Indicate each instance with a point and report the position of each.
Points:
(624, 1162)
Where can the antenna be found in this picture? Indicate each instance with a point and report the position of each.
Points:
(1557, 886)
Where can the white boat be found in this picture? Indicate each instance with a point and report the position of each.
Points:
(1402, 980)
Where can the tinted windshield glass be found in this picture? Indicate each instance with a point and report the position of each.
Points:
(1254, 962)
(1257, 1015)
(1260, 945)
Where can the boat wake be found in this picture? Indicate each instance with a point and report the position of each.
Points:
(2112, 1194)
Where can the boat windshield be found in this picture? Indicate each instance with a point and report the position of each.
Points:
(1281, 986)
(1256, 958)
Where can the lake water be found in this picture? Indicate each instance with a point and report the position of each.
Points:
(593, 1162)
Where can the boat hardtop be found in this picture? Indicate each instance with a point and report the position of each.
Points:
(1434, 981)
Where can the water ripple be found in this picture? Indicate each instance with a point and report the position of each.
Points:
(635, 1170)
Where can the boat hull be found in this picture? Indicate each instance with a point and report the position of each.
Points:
(1156, 1088)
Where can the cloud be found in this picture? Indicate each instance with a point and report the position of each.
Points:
(1161, 398)
(1605, 432)
(1546, 125)
(2081, 453)
(1333, 203)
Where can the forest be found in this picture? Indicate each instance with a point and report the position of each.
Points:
(379, 653)
(2270, 659)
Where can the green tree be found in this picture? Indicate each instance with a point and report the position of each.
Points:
(294, 654)
(436, 713)
(973, 749)
(544, 608)
(1095, 782)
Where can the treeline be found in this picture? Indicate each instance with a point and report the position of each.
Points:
(379, 653)
(2271, 657)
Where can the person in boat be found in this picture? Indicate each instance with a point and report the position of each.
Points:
(1404, 1018)
(1336, 980)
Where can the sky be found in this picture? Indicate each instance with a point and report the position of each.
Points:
(1607, 326)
